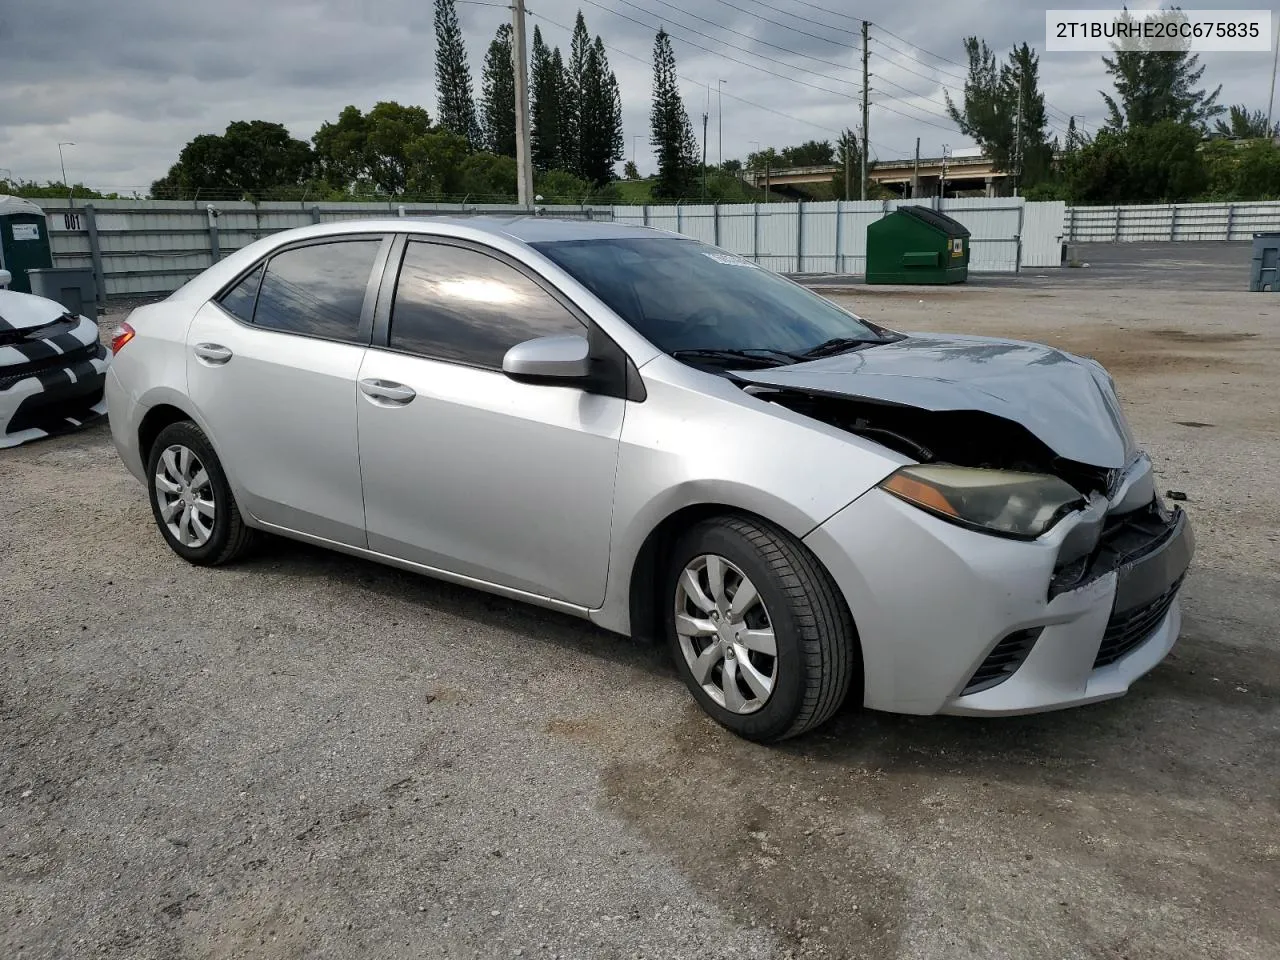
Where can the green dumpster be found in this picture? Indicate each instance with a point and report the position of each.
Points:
(24, 240)
(914, 244)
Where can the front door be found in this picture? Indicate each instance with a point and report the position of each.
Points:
(272, 368)
(466, 470)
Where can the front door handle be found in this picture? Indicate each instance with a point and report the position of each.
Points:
(214, 354)
(387, 392)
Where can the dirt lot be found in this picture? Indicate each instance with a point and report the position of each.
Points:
(310, 756)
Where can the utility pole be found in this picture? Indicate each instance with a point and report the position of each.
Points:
(62, 163)
(848, 162)
(720, 118)
(1017, 142)
(1271, 100)
(942, 184)
(704, 149)
(865, 104)
(524, 160)
(915, 173)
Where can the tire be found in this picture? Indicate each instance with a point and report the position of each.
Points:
(228, 537)
(816, 651)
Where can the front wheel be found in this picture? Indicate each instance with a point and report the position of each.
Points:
(191, 499)
(758, 630)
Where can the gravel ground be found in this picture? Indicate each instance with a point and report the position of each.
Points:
(307, 755)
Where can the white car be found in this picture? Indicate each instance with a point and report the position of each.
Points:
(654, 434)
(52, 368)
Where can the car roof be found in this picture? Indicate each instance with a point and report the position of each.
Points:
(543, 229)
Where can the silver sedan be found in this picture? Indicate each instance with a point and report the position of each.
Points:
(666, 439)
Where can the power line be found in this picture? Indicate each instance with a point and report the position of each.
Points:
(907, 53)
(648, 63)
(795, 53)
(786, 26)
(698, 46)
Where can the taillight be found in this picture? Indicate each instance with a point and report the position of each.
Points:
(120, 336)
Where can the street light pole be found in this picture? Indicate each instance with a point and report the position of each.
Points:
(62, 163)
(720, 117)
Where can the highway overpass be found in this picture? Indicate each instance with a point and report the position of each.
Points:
(964, 176)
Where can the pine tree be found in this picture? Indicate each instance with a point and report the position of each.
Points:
(672, 134)
(1158, 85)
(991, 110)
(499, 96)
(544, 88)
(1246, 124)
(576, 81)
(456, 109)
(567, 112)
(600, 143)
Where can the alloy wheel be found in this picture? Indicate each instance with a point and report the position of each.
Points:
(725, 634)
(185, 496)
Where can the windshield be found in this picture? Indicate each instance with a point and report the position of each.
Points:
(684, 295)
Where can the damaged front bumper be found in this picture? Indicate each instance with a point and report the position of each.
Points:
(957, 621)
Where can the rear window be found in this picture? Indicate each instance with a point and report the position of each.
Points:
(239, 300)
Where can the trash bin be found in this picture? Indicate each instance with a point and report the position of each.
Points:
(1265, 276)
(914, 244)
(73, 287)
(24, 240)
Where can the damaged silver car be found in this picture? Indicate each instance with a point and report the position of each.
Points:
(668, 440)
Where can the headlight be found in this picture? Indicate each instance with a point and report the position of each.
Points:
(1005, 502)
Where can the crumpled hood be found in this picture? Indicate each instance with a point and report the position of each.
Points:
(1068, 402)
(25, 311)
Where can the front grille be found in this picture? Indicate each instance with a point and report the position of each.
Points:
(13, 374)
(1129, 630)
(1001, 663)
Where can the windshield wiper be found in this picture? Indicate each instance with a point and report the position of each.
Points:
(838, 345)
(763, 355)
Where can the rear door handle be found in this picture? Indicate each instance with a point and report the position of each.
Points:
(387, 392)
(214, 354)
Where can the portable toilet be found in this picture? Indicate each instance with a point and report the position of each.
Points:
(915, 244)
(24, 240)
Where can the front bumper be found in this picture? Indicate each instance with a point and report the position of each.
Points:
(932, 602)
(53, 398)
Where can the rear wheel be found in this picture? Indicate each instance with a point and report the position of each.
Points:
(758, 630)
(191, 499)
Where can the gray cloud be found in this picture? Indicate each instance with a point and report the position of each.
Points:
(131, 81)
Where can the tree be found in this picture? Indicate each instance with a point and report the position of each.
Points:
(545, 84)
(453, 77)
(848, 153)
(995, 97)
(576, 81)
(761, 160)
(811, 153)
(371, 150)
(1073, 138)
(1140, 164)
(1246, 124)
(629, 171)
(435, 163)
(984, 117)
(672, 134)
(340, 149)
(567, 112)
(1031, 151)
(250, 157)
(1154, 85)
(600, 142)
(499, 95)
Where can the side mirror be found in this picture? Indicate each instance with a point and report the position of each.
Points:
(561, 359)
(6, 278)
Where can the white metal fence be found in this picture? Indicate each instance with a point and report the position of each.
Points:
(142, 247)
(831, 237)
(1171, 221)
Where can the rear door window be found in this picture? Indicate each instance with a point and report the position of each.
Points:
(239, 300)
(317, 290)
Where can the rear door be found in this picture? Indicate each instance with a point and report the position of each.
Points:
(271, 366)
(465, 469)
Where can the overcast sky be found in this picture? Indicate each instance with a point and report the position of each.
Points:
(131, 81)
